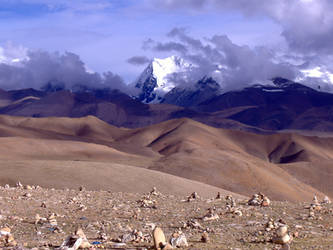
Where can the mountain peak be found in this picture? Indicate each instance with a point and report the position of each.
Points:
(156, 80)
(281, 82)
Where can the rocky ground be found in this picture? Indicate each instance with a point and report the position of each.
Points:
(35, 217)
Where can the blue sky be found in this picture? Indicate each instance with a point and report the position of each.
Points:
(105, 33)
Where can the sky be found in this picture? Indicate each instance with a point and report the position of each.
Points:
(110, 42)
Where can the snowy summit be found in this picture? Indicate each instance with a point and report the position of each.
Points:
(155, 81)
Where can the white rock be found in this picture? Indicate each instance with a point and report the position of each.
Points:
(282, 231)
(326, 200)
(180, 241)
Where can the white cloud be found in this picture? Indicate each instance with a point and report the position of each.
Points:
(11, 54)
(24, 68)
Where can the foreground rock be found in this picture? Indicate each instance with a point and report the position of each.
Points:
(76, 241)
(160, 240)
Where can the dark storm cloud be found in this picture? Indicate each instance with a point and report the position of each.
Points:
(44, 68)
(138, 60)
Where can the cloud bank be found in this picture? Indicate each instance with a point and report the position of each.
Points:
(23, 68)
(232, 65)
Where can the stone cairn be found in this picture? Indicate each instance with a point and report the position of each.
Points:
(259, 199)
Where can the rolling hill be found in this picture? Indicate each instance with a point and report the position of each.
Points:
(59, 152)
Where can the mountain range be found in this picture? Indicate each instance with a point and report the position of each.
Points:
(277, 105)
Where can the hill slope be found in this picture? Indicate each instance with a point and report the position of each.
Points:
(237, 161)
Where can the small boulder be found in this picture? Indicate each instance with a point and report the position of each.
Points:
(281, 235)
(159, 238)
(326, 200)
(205, 237)
(179, 240)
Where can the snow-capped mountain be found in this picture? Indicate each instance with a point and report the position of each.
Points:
(201, 91)
(155, 81)
(158, 84)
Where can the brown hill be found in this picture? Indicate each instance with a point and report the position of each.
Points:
(284, 166)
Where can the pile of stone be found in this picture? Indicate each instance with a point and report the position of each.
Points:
(155, 192)
(6, 238)
(75, 241)
(52, 220)
(178, 240)
(259, 199)
(231, 202)
(147, 202)
(272, 225)
(326, 200)
(193, 197)
(135, 236)
(281, 235)
(314, 206)
(192, 224)
(231, 206)
(211, 215)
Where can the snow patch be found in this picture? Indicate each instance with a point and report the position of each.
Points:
(273, 90)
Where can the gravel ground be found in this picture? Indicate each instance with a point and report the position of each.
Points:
(43, 218)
